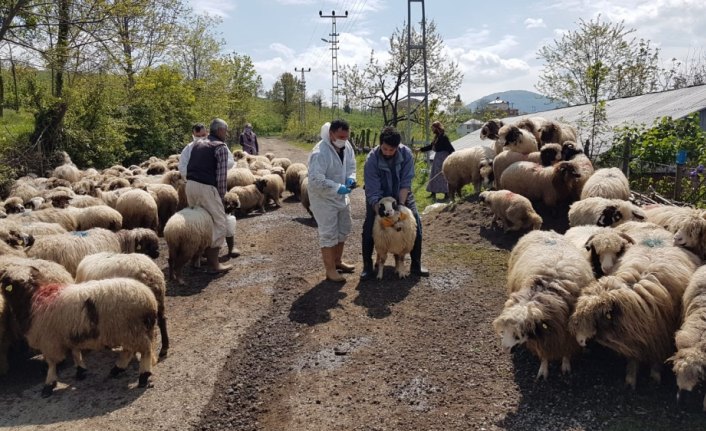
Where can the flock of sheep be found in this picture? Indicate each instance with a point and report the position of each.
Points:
(77, 249)
(627, 277)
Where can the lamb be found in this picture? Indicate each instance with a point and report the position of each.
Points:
(604, 212)
(101, 216)
(545, 276)
(551, 185)
(107, 265)
(70, 248)
(239, 177)
(689, 362)
(609, 183)
(553, 132)
(692, 235)
(292, 178)
(304, 195)
(139, 209)
(188, 234)
(274, 187)
(394, 231)
(49, 272)
(167, 200)
(56, 317)
(635, 311)
(513, 210)
(515, 139)
(242, 200)
(470, 165)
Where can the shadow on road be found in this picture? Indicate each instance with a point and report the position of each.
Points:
(313, 306)
(378, 296)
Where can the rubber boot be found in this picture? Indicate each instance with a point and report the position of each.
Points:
(340, 265)
(212, 258)
(328, 254)
(232, 252)
(416, 256)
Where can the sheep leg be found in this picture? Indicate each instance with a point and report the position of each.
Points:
(704, 404)
(380, 263)
(81, 369)
(631, 373)
(400, 269)
(162, 323)
(656, 373)
(565, 365)
(145, 365)
(50, 382)
(543, 370)
(121, 364)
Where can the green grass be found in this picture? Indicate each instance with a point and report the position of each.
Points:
(14, 124)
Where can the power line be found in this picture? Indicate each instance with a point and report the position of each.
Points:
(334, 58)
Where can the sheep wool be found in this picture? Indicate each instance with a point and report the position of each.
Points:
(604, 212)
(464, 167)
(515, 139)
(139, 209)
(503, 160)
(609, 183)
(274, 187)
(551, 185)
(394, 231)
(304, 195)
(292, 178)
(188, 234)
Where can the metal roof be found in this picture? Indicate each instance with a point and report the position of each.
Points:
(644, 109)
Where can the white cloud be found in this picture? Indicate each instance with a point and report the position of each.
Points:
(282, 49)
(221, 8)
(535, 23)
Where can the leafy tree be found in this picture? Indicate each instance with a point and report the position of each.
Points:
(286, 93)
(599, 61)
(197, 46)
(383, 85)
(686, 73)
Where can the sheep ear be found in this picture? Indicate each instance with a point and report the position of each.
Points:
(626, 237)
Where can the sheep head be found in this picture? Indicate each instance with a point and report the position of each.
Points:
(688, 366)
(14, 205)
(605, 249)
(569, 150)
(146, 242)
(692, 235)
(16, 239)
(486, 172)
(517, 323)
(550, 154)
(597, 310)
(490, 129)
(238, 154)
(387, 207)
(231, 202)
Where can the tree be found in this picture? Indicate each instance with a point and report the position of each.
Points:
(383, 85)
(198, 46)
(686, 73)
(599, 61)
(286, 93)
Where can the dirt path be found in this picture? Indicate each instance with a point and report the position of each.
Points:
(270, 346)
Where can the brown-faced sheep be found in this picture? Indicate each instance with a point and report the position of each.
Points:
(274, 187)
(139, 209)
(609, 183)
(293, 178)
(604, 212)
(551, 185)
(466, 166)
(553, 132)
(106, 265)
(188, 234)
(545, 276)
(692, 235)
(689, 362)
(239, 177)
(394, 231)
(70, 248)
(58, 317)
(513, 210)
(515, 139)
(636, 311)
(243, 200)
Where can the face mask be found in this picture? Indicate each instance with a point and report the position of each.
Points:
(339, 143)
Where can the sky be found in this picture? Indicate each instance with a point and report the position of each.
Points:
(495, 43)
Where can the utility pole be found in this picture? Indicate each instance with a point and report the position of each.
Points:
(302, 100)
(334, 58)
(424, 93)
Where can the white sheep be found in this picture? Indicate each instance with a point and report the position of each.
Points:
(470, 165)
(554, 132)
(106, 265)
(604, 212)
(609, 183)
(605, 248)
(49, 215)
(394, 231)
(101, 216)
(239, 177)
(551, 185)
(515, 139)
(87, 316)
(503, 160)
(513, 210)
(293, 177)
(670, 217)
(67, 172)
(69, 249)
(545, 276)
(689, 362)
(188, 234)
(139, 209)
(282, 162)
(243, 200)
(692, 235)
(274, 187)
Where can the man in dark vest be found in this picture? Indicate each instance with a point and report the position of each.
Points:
(206, 176)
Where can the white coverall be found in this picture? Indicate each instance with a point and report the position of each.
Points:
(326, 174)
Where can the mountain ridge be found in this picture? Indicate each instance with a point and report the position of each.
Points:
(526, 102)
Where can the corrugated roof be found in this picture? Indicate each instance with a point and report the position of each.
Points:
(644, 109)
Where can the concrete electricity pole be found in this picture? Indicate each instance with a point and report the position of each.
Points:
(334, 58)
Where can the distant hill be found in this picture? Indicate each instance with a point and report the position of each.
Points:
(526, 102)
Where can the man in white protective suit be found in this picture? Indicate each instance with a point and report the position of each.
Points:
(331, 179)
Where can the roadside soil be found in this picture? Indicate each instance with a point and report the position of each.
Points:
(272, 346)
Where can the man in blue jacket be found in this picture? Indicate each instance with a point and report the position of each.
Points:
(389, 170)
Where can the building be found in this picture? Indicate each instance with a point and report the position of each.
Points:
(502, 106)
(644, 109)
(468, 127)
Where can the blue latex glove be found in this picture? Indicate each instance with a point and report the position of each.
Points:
(350, 183)
(343, 190)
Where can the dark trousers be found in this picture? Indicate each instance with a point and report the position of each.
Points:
(369, 243)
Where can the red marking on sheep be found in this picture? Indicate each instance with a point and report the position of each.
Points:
(46, 294)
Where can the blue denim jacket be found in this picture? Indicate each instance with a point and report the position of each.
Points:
(385, 178)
